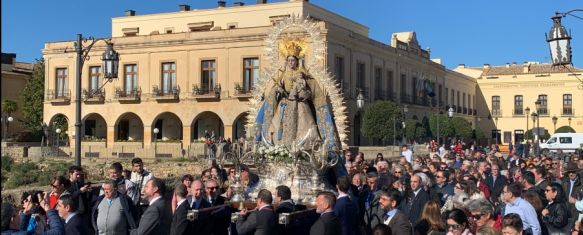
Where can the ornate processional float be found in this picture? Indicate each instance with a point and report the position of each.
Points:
(298, 125)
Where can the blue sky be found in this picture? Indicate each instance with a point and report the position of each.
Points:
(457, 31)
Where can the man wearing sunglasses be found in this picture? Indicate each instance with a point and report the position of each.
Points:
(442, 188)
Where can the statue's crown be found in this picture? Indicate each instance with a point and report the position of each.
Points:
(293, 47)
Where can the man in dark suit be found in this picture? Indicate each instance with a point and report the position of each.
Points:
(344, 209)
(156, 218)
(495, 183)
(327, 224)
(417, 199)
(515, 161)
(393, 217)
(263, 221)
(283, 198)
(220, 218)
(179, 223)
(195, 198)
(371, 202)
(67, 208)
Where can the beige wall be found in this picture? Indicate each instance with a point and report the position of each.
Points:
(529, 84)
(12, 87)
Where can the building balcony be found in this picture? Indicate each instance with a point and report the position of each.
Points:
(242, 92)
(161, 95)
(465, 110)
(518, 112)
(496, 112)
(61, 96)
(206, 92)
(123, 95)
(459, 109)
(406, 99)
(94, 95)
(567, 111)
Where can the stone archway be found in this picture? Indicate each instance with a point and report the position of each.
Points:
(239, 126)
(129, 127)
(57, 131)
(169, 127)
(207, 121)
(94, 128)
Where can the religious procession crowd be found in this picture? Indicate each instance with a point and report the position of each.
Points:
(456, 191)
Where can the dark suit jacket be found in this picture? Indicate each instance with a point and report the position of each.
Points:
(416, 204)
(76, 225)
(496, 187)
(327, 224)
(399, 224)
(262, 222)
(347, 214)
(201, 225)
(221, 219)
(179, 223)
(285, 207)
(155, 220)
(203, 203)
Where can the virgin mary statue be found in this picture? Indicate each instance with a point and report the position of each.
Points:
(294, 110)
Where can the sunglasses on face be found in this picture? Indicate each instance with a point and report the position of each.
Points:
(213, 188)
(453, 226)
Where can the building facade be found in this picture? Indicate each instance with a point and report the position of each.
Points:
(190, 72)
(15, 75)
(507, 95)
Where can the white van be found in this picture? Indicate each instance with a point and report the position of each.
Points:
(567, 142)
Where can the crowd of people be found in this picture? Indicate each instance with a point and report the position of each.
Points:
(459, 191)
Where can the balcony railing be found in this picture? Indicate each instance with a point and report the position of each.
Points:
(518, 112)
(543, 111)
(242, 91)
(407, 99)
(567, 111)
(128, 95)
(496, 112)
(60, 96)
(160, 94)
(206, 92)
(94, 95)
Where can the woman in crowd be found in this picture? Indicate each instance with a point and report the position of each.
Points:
(556, 214)
(379, 158)
(457, 223)
(187, 180)
(487, 231)
(482, 215)
(516, 176)
(431, 222)
(512, 224)
(534, 200)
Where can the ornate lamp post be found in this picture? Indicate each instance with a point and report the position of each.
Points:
(569, 119)
(110, 60)
(156, 131)
(7, 121)
(58, 131)
(555, 119)
(526, 113)
(360, 99)
(559, 42)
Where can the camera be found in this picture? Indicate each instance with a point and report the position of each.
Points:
(191, 215)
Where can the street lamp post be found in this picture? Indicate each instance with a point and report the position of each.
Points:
(560, 43)
(527, 112)
(156, 131)
(6, 121)
(58, 131)
(538, 104)
(555, 119)
(569, 119)
(405, 111)
(496, 130)
(450, 112)
(110, 59)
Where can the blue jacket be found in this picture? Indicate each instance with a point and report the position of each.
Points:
(345, 210)
(56, 226)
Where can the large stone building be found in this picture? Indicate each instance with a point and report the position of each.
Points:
(505, 94)
(191, 71)
(15, 75)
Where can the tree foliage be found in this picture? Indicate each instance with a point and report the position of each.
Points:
(445, 126)
(529, 134)
(462, 127)
(379, 119)
(33, 98)
(565, 129)
(9, 107)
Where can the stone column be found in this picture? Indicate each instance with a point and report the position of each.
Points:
(148, 137)
(186, 135)
(110, 136)
(228, 132)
